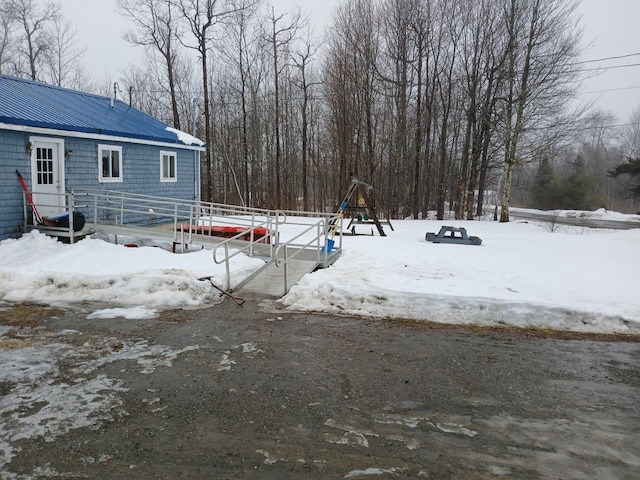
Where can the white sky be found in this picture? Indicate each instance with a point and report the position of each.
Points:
(610, 30)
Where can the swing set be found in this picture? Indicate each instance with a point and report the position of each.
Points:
(362, 211)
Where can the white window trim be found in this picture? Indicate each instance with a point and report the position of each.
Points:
(175, 160)
(102, 179)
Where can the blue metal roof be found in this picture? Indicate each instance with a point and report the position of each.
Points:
(33, 104)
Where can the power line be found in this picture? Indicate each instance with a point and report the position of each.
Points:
(604, 59)
(610, 90)
(598, 69)
(619, 125)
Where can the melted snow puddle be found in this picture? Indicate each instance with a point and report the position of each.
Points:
(350, 436)
(133, 313)
(394, 427)
(455, 428)
(391, 427)
(268, 459)
(50, 387)
(226, 363)
(373, 471)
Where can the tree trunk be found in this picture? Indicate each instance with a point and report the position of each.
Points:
(207, 128)
(276, 120)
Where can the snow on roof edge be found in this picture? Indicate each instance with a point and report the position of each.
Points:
(186, 138)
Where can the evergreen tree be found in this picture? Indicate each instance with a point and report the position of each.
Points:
(541, 189)
(632, 168)
(575, 192)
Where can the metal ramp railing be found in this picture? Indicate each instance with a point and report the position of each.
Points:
(277, 236)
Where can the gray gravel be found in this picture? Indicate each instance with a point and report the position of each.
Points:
(251, 392)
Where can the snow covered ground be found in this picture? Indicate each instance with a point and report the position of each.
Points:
(599, 214)
(523, 274)
(575, 279)
(135, 281)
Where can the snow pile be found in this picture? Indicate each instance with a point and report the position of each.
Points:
(36, 268)
(522, 275)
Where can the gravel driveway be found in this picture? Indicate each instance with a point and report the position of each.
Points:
(251, 392)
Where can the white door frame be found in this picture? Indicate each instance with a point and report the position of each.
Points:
(46, 203)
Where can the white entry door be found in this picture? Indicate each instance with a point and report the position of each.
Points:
(47, 176)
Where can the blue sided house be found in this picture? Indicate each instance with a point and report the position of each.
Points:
(62, 140)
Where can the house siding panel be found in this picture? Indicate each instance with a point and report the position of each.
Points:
(140, 175)
(13, 156)
(140, 169)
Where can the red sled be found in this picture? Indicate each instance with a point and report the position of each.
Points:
(261, 234)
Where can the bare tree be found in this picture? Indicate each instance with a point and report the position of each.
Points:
(63, 56)
(6, 27)
(201, 16)
(241, 43)
(419, 27)
(447, 44)
(430, 100)
(352, 89)
(543, 43)
(156, 28)
(188, 95)
(33, 21)
(481, 61)
(303, 59)
(631, 135)
(281, 34)
(146, 92)
(404, 47)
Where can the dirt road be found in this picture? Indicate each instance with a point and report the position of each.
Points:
(252, 393)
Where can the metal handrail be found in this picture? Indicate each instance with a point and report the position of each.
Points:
(238, 236)
(213, 206)
(286, 258)
(285, 245)
(321, 227)
(122, 208)
(225, 243)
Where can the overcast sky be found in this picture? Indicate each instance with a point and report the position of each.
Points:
(610, 30)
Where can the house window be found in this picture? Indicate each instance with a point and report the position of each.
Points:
(168, 167)
(110, 163)
(44, 166)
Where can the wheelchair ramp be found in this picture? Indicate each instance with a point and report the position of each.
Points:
(271, 282)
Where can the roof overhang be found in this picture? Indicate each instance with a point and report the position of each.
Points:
(97, 136)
